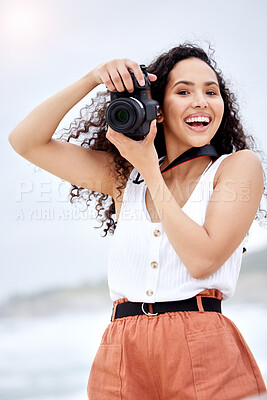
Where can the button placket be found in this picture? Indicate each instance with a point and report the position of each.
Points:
(153, 263)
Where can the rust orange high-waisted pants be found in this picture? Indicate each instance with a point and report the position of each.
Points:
(185, 355)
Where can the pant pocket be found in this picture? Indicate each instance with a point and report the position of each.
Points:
(221, 366)
(104, 380)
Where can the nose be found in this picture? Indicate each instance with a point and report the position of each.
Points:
(199, 101)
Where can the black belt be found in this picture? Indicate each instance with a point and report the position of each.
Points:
(129, 308)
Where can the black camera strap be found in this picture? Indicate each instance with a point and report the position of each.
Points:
(193, 152)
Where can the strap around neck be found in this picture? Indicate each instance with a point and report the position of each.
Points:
(193, 152)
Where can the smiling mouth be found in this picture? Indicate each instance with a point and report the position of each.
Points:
(203, 123)
(198, 126)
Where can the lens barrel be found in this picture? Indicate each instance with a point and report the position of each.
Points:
(125, 114)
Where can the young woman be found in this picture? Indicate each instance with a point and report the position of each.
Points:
(179, 235)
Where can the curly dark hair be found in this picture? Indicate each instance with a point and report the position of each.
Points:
(90, 130)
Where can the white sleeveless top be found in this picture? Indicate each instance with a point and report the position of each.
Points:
(142, 264)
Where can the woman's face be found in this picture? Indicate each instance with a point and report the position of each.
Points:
(193, 107)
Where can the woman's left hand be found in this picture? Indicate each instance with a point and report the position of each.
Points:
(141, 154)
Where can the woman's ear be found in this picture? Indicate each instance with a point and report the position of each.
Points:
(160, 117)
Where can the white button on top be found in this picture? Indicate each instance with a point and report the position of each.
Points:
(154, 264)
(157, 233)
(149, 292)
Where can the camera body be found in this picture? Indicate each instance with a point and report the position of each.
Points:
(131, 113)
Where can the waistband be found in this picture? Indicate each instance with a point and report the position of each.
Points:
(207, 300)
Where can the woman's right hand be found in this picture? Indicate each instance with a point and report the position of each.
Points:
(115, 75)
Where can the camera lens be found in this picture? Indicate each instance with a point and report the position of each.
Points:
(122, 116)
(125, 115)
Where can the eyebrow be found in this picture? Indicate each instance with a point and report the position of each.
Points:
(192, 83)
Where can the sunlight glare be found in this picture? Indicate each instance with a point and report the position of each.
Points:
(22, 23)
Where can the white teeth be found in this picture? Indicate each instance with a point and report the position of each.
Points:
(198, 119)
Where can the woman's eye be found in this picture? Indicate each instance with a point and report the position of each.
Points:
(212, 93)
(185, 92)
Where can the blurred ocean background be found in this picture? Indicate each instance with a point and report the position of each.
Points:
(54, 300)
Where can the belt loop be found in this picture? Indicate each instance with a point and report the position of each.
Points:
(199, 303)
(114, 312)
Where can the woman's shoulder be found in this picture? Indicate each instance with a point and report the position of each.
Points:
(242, 164)
(245, 155)
(245, 158)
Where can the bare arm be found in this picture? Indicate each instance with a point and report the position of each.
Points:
(39, 126)
(32, 137)
(204, 249)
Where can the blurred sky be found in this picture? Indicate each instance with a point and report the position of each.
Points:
(45, 46)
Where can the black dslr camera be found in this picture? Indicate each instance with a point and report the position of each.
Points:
(131, 113)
